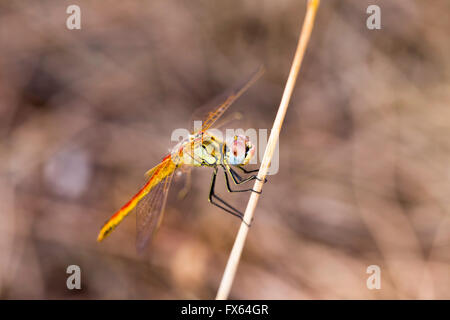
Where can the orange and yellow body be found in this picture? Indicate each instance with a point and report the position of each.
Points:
(157, 174)
(199, 150)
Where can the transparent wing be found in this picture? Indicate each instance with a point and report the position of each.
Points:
(202, 113)
(224, 101)
(156, 175)
(149, 212)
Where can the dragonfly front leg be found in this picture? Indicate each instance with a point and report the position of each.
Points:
(232, 172)
(247, 171)
(237, 179)
(228, 208)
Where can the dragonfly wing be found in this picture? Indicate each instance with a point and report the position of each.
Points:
(158, 173)
(149, 212)
(224, 101)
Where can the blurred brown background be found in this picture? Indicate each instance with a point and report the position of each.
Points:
(364, 151)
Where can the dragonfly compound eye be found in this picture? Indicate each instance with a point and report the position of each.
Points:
(249, 151)
(239, 150)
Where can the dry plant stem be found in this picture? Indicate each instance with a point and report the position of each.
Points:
(235, 255)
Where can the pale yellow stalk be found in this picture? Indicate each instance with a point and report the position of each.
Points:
(235, 255)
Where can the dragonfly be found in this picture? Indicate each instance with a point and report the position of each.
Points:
(200, 149)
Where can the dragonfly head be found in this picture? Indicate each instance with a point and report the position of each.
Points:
(239, 150)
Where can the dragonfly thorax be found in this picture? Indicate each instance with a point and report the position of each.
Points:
(198, 150)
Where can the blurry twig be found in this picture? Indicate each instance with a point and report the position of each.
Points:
(233, 261)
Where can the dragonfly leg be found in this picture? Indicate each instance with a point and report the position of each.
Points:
(249, 171)
(237, 180)
(226, 207)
